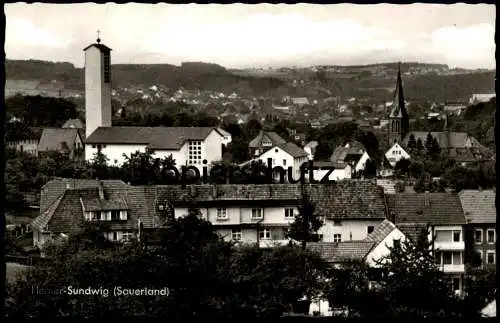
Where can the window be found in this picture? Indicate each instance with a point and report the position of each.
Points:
(397, 243)
(257, 213)
(337, 223)
(194, 154)
(93, 146)
(274, 161)
(490, 257)
(490, 235)
(265, 234)
(337, 237)
(115, 236)
(480, 260)
(284, 162)
(370, 229)
(115, 215)
(457, 258)
(456, 236)
(236, 235)
(289, 213)
(447, 259)
(107, 67)
(478, 236)
(221, 214)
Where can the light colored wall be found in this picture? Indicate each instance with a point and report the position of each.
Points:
(358, 228)
(114, 152)
(211, 147)
(119, 235)
(382, 249)
(362, 162)
(336, 175)
(97, 93)
(394, 158)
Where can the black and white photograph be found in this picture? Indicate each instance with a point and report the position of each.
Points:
(250, 161)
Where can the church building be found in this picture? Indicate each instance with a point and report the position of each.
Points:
(189, 146)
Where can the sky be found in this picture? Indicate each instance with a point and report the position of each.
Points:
(264, 35)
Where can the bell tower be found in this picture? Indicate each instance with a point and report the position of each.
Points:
(399, 122)
(97, 86)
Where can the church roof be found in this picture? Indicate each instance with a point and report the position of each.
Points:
(398, 108)
(166, 138)
(101, 47)
(444, 139)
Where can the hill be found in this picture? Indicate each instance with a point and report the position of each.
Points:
(190, 75)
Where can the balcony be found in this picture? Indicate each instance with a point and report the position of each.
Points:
(453, 268)
(449, 245)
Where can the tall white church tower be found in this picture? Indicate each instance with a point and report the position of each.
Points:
(97, 87)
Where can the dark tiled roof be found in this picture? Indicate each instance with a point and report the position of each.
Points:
(55, 188)
(443, 208)
(66, 214)
(98, 204)
(380, 232)
(101, 47)
(52, 139)
(266, 136)
(342, 153)
(479, 205)
(412, 230)
(348, 251)
(156, 137)
(445, 139)
(355, 199)
(292, 149)
(73, 123)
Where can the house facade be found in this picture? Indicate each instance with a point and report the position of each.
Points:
(396, 153)
(440, 216)
(189, 146)
(480, 213)
(64, 140)
(340, 171)
(285, 155)
(352, 153)
(264, 141)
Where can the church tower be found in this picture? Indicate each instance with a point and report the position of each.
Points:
(97, 87)
(399, 122)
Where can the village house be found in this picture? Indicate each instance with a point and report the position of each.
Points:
(352, 153)
(285, 155)
(67, 141)
(264, 141)
(340, 171)
(310, 149)
(439, 216)
(395, 154)
(480, 213)
(187, 145)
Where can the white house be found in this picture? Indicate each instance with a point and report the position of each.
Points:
(285, 155)
(481, 97)
(310, 149)
(339, 172)
(227, 138)
(187, 145)
(396, 153)
(384, 236)
(353, 153)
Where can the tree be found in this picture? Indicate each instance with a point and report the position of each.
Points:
(412, 143)
(323, 151)
(402, 166)
(429, 144)
(306, 223)
(414, 285)
(420, 146)
(370, 168)
(435, 149)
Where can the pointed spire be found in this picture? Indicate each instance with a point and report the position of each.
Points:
(399, 110)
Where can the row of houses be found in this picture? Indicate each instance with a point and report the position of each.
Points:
(358, 217)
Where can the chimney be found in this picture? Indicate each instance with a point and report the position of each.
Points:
(101, 190)
(427, 201)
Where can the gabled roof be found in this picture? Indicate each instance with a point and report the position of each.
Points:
(168, 138)
(444, 139)
(342, 153)
(381, 232)
(55, 139)
(443, 208)
(293, 150)
(346, 251)
(479, 205)
(266, 136)
(412, 230)
(66, 213)
(223, 132)
(52, 190)
(74, 123)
